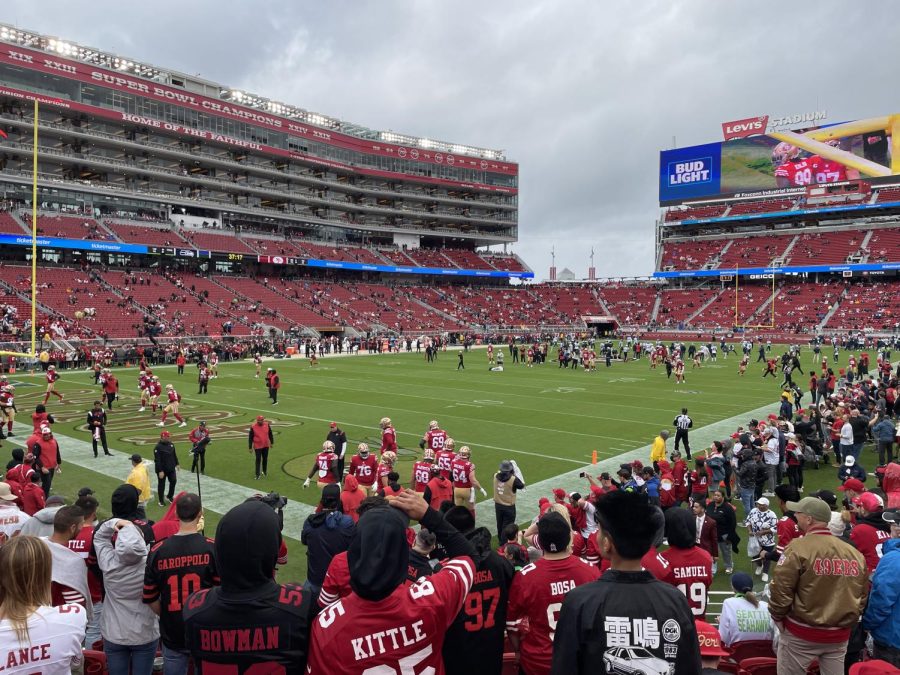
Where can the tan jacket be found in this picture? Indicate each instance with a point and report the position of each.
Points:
(820, 583)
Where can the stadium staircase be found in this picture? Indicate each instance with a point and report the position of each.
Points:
(786, 254)
(446, 315)
(21, 221)
(600, 301)
(655, 311)
(831, 312)
(702, 307)
(864, 247)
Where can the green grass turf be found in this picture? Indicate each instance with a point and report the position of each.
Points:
(549, 420)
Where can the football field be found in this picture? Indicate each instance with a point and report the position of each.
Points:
(548, 419)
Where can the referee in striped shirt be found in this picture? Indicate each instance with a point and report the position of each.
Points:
(682, 424)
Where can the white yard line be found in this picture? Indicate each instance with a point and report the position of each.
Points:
(527, 503)
(218, 495)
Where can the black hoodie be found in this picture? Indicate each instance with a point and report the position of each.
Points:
(250, 619)
(474, 642)
(124, 504)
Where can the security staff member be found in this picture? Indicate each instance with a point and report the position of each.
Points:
(337, 436)
(506, 483)
(682, 424)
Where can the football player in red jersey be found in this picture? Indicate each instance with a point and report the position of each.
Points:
(443, 458)
(385, 626)
(435, 438)
(174, 400)
(385, 466)
(829, 171)
(537, 593)
(325, 466)
(462, 473)
(388, 436)
(421, 472)
(791, 170)
(363, 465)
(690, 567)
(52, 377)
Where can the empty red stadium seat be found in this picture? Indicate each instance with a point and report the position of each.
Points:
(760, 665)
(94, 662)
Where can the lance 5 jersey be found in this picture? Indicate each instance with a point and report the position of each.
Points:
(402, 633)
(54, 648)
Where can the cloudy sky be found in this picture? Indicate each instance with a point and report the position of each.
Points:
(583, 94)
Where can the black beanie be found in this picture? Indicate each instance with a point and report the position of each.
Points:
(124, 501)
(554, 533)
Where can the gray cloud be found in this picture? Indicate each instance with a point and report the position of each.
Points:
(582, 94)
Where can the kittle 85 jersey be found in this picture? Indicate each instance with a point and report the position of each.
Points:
(401, 634)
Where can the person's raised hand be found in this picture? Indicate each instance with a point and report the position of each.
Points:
(411, 503)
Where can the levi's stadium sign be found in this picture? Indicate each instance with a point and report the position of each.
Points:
(745, 127)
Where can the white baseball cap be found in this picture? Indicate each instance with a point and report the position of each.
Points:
(763, 500)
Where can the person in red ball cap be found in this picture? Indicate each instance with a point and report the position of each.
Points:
(560, 495)
(543, 505)
(853, 487)
(711, 650)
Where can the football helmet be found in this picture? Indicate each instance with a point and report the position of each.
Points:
(363, 450)
(156, 378)
(428, 456)
(142, 373)
(449, 444)
(51, 367)
(328, 446)
(385, 422)
(784, 152)
(834, 142)
(389, 457)
(170, 386)
(465, 452)
(432, 425)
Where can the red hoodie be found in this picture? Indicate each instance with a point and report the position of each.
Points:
(352, 496)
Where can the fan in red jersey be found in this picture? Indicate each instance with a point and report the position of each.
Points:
(690, 567)
(385, 626)
(363, 465)
(421, 472)
(537, 593)
(443, 458)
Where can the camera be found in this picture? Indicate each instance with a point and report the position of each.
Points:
(274, 501)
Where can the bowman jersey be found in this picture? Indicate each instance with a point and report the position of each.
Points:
(690, 571)
(263, 632)
(627, 622)
(421, 474)
(176, 568)
(55, 635)
(364, 469)
(444, 460)
(403, 633)
(535, 600)
(460, 471)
